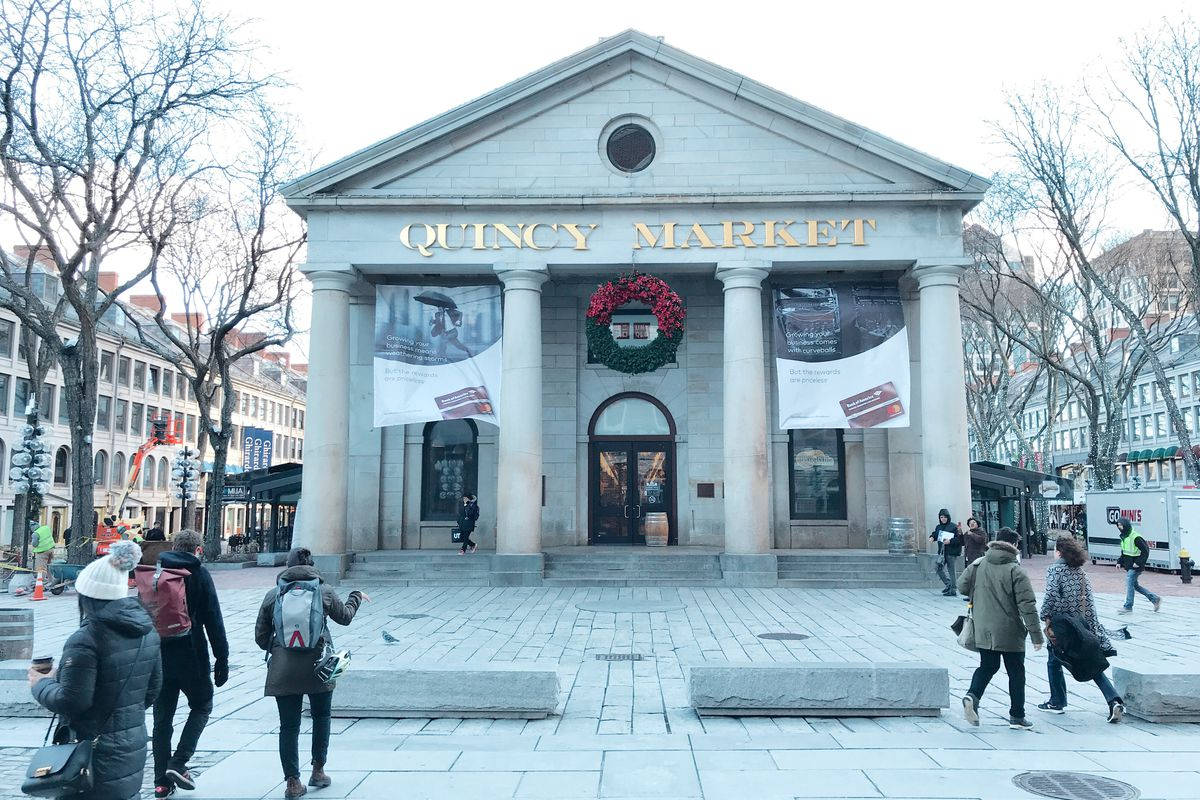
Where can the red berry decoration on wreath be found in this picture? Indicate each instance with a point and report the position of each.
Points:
(666, 307)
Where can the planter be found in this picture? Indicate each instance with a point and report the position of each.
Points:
(16, 634)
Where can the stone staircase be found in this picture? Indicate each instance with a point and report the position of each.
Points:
(843, 569)
(614, 566)
(420, 568)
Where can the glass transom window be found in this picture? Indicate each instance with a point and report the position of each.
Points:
(631, 416)
(630, 148)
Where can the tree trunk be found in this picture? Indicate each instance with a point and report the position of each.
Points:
(79, 391)
(215, 513)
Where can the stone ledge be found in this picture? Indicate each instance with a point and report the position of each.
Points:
(490, 691)
(819, 689)
(1159, 693)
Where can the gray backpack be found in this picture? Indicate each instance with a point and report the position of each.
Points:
(299, 614)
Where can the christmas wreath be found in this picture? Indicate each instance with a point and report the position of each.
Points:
(663, 302)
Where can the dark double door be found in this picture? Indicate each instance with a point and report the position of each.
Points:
(631, 491)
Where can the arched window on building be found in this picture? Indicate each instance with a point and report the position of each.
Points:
(118, 470)
(451, 465)
(164, 470)
(62, 470)
(100, 468)
(148, 472)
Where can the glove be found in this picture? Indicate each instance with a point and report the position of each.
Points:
(221, 672)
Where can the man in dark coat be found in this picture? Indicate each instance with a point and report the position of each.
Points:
(949, 540)
(186, 667)
(108, 675)
(468, 515)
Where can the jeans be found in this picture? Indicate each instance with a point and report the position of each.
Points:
(1058, 685)
(1132, 585)
(289, 730)
(1014, 665)
(946, 565)
(182, 672)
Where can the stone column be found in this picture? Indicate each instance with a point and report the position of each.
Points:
(518, 560)
(747, 560)
(944, 455)
(322, 516)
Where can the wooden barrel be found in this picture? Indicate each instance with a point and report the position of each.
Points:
(657, 529)
(902, 537)
(16, 633)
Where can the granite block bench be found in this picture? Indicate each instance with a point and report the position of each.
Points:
(488, 691)
(819, 689)
(1159, 693)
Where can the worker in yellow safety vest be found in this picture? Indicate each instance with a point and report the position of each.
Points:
(1134, 554)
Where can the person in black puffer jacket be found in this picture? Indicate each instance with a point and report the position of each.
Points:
(949, 538)
(468, 515)
(108, 675)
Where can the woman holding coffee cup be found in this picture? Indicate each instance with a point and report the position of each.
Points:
(109, 675)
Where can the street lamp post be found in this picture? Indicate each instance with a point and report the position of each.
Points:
(185, 472)
(30, 472)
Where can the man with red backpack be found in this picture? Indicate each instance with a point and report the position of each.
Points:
(181, 598)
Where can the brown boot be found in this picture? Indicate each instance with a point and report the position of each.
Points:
(319, 779)
(294, 788)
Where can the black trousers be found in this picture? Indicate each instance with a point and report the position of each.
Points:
(466, 540)
(1014, 665)
(186, 674)
(289, 730)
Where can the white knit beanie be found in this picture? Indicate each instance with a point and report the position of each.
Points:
(108, 578)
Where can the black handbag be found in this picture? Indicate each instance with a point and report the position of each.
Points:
(63, 768)
(456, 534)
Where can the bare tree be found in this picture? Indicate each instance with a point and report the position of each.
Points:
(107, 113)
(234, 271)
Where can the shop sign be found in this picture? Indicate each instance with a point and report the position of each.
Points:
(257, 444)
(235, 493)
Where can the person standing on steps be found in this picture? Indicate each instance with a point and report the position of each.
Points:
(1005, 611)
(186, 668)
(949, 538)
(1134, 554)
(295, 634)
(468, 515)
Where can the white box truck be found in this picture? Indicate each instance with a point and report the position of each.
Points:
(1168, 519)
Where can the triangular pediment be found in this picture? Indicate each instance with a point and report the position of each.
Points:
(717, 133)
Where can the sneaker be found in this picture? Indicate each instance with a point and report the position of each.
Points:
(1116, 710)
(1020, 724)
(164, 791)
(462, 552)
(1124, 610)
(475, 547)
(1158, 604)
(182, 778)
(970, 709)
(1050, 708)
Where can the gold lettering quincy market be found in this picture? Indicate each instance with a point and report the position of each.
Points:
(746, 234)
(425, 238)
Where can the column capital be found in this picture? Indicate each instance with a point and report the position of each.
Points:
(940, 271)
(335, 280)
(743, 274)
(530, 279)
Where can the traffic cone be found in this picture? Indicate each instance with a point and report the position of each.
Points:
(39, 592)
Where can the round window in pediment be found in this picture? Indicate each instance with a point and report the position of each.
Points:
(630, 148)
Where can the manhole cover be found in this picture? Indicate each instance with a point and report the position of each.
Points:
(1075, 786)
(631, 606)
(620, 657)
(409, 616)
(784, 637)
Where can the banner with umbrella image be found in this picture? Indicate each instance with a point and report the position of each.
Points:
(437, 353)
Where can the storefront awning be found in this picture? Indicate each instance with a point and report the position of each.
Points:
(1170, 452)
(1161, 452)
(1122, 458)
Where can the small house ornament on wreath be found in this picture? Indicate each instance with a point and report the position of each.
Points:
(663, 302)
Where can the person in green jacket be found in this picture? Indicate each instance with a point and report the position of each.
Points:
(1005, 611)
(43, 550)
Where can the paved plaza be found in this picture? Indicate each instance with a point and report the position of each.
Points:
(625, 729)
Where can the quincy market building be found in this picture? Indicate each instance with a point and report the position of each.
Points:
(631, 154)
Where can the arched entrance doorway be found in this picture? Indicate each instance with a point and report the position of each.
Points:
(631, 472)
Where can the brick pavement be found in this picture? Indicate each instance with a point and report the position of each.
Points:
(625, 730)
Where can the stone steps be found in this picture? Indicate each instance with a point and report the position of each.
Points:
(352, 577)
(851, 583)
(625, 582)
(632, 568)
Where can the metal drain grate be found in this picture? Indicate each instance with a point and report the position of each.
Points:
(1075, 786)
(620, 657)
(409, 616)
(784, 637)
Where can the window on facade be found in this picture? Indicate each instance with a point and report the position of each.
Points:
(302, 419)
(151, 415)
(1147, 427)
(2, 454)
(7, 329)
(139, 376)
(245, 405)
(1160, 424)
(23, 342)
(21, 396)
(163, 474)
(254, 407)
(123, 364)
(1152, 471)
(64, 412)
(46, 403)
(148, 473)
(103, 412)
(100, 468)
(5, 383)
(118, 470)
(451, 462)
(178, 423)
(299, 449)
(168, 382)
(1156, 392)
(152, 385)
(179, 381)
(106, 367)
(137, 419)
(122, 412)
(818, 474)
(61, 468)
(191, 427)
(1141, 395)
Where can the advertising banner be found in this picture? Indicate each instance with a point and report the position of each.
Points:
(437, 353)
(841, 356)
(257, 444)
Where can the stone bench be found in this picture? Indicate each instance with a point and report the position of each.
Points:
(1159, 693)
(489, 691)
(819, 689)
